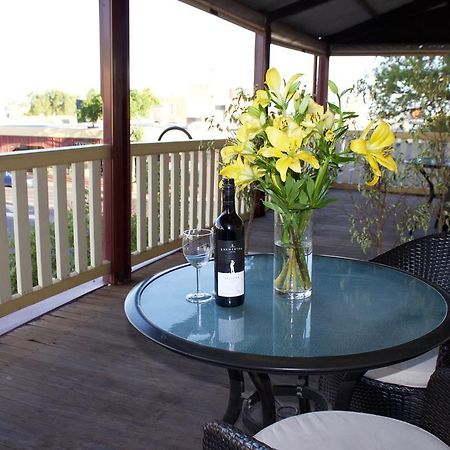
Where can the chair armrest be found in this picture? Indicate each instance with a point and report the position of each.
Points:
(222, 436)
(436, 416)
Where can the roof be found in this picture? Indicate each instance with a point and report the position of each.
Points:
(343, 27)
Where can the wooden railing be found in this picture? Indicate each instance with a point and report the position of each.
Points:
(175, 187)
(51, 222)
(44, 239)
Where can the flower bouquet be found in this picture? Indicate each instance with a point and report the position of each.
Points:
(289, 147)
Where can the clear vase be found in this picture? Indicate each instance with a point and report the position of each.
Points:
(293, 254)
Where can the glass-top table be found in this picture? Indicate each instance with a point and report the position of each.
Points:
(361, 315)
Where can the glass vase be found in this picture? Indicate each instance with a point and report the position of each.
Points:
(293, 254)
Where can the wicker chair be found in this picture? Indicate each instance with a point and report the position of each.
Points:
(436, 420)
(429, 258)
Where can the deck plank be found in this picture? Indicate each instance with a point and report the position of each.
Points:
(81, 377)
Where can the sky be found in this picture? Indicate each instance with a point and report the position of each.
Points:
(53, 44)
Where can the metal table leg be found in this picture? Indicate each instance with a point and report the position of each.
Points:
(264, 387)
(235, 399)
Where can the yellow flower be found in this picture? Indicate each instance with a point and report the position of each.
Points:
(329, 136)
(243, 146)
(261, 98)
(242, 172)
(253, 124)
(286, 148)
(376, 149)
(273, 82)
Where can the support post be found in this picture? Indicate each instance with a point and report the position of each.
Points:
(115, 89)
(262, 56)
(261, 64)
(322, 80)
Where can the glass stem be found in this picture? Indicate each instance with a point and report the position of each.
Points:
(198, 285)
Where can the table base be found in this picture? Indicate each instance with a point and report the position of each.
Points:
(271, 408)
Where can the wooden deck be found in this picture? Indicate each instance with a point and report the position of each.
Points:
(82, 378)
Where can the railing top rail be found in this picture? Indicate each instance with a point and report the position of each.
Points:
(26, 159)
(154, 148)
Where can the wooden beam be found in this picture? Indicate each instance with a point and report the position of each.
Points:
(262, 56)
(115, 86)
(389, 49)
(294, 8)
(399, 22)
(253, 20)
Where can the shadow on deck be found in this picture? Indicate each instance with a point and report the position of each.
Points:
(81, 377)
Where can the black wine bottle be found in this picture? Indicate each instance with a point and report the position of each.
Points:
(229, 251)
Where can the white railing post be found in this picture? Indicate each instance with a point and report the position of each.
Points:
(42, 226)
(22, 232)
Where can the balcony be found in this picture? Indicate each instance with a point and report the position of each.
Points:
(80, 376)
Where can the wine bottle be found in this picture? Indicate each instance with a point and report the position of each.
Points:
(229, 251)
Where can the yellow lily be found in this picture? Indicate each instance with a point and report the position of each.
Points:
(253, 124)
(286, 148)
(376, 149)
(242, 172)
(261, 98)
(243, 146)
(273, 82)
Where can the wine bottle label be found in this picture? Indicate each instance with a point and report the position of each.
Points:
(230, 268)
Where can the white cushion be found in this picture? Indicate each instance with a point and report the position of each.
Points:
(343, 430)
(414, 373)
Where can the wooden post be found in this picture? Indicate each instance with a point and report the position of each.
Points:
(322, 80)
(315, 76)
(115, 87)
(262, 58)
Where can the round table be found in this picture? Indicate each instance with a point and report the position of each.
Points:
(361, 315)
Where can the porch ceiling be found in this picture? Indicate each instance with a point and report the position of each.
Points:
(344, 27)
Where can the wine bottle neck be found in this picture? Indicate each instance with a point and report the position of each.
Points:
(228, 205)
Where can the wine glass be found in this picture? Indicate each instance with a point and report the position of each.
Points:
(197, 248)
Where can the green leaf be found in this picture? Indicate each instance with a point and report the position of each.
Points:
(334, 109)
(325, 202)
(343, 159)
(310, 188)
(303, 198)
(254, 112)
(304, 104)
(333, 88)
(273, 206)
(346, 90)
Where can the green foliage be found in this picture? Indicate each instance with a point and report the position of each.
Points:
(12, 259)
(141, 102)
(91, 109)
(379, 209)
(403, 85)
(52, 102)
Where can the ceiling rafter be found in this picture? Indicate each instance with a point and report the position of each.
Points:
(293, 8)
(393, 18)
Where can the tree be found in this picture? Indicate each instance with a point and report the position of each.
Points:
(408, 88)
(52, 102)
(90, 109)
(140, 104)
